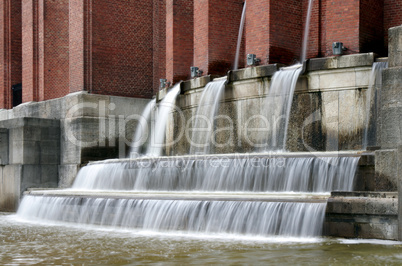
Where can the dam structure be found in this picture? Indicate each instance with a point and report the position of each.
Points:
(186, 142)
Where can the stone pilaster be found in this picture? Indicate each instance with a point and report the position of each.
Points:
(391, 109)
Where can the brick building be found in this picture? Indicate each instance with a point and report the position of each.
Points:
(123, 47)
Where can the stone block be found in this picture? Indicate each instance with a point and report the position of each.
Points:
(337, 79)
(67, 174)
(394, 46)
(126, 106)
(356, 60)
(253, 72)
(49, 175)
(4, 146)
(10, 190)
(386, 172)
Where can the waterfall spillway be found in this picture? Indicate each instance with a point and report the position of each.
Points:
(158, 135)
(372, 104)
(203, 122)
(264, 194)
(142, 130)
(236, 217)
(277, 106)
(201, 194)
(222, 173)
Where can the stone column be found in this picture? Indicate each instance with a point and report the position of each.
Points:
(391, 110)
(30, 50)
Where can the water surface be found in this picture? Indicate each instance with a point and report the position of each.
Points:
(23, 243)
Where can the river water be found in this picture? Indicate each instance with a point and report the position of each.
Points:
(23, 243)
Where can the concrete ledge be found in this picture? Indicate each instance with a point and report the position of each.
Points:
(346, 61)
(394, 46)
(362, 215)
(195, 83)
(253, 72)
(198, 196)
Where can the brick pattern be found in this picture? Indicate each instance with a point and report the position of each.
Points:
(216, 28)
(79, 27)
(201, 34)
(122, 41)
(179, 39)
(392, 17)
(257, 29)
(371, 29)
(316, 41)
(159, 43)
(285, 31)
(30, 50)
(124, 47)
(342, 25)
(10, 50)
(53, 49)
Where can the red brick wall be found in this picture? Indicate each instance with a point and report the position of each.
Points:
(316, 40)
(257, 29)
(285, 31)
(371, 29)
(122, 41)
(10, 50)
(179, 39)
(201, 34)
(274, 30)
(159, 43)
(392, 17)
(216, 28)
(30, 50)
(54, 46)
(342, 25)
(79, 55)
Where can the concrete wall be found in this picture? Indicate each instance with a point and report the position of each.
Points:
(362, 215)
(92, 127)
(33, 148)
(327, 114)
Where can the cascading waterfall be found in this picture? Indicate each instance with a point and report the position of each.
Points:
(277, 106)
(372, 100)
(240, 36)
(141, 132)
(242, 174)
(158, 133)
(203, 122)
(232, 191)
(234, 217)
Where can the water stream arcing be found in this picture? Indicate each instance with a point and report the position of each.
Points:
(158, 133)
(240, 36)
(204, 121)
(306, 31)
(242, 174)
(277, 107)
(142, 130)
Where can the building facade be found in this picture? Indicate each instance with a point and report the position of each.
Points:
(49, 49)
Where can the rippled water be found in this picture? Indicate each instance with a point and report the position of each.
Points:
(25, 243)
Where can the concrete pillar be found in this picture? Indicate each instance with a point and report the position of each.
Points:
(179, 39)
(391, 109)
(30, 50)
(274, 30)
(216, 29)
